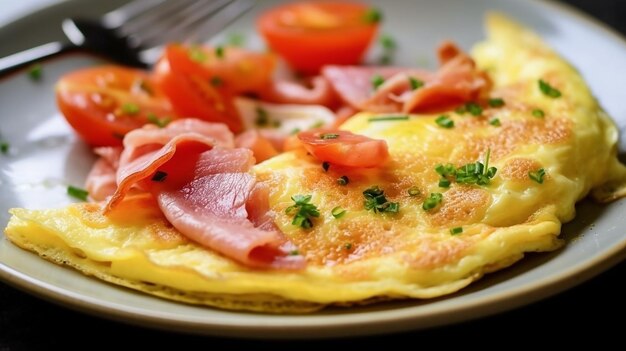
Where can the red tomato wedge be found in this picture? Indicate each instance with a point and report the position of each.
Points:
(344, 148)
(201, 81)
(309, 35)
(104, 103)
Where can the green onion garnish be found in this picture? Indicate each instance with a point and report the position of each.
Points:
(4, 147)
(538, 113)
(338, 212)
(495, 122)
(159, 122)
(415, 83)
(537, 175)
(35, 72)
(377, 81)
(303, 211)
(432, 201)
(456, 230)
(414, 191)
(343, 180)
(444, 121)
(78, 193)
(389, 118)
(496, 102)
(548, 90)
(376, 201)
(219, 52)
(130, 108)
(373, 15)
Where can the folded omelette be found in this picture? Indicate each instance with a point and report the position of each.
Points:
(539, 149)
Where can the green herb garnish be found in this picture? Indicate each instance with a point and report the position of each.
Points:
(414, 191)
(548, 90)
(373, 15)
(376, 201)
(471, 173)
(159, 176)
(77, 193)
(219, 52)
(216, 81)
(317, 125)
(444, 121)
(537, 175)
(159, 122)
(338, 212)
(343, 180)
(4, 147)
(303, 211)
(538, 113)
(496, 102)
(432, 201)
(456, 230)
(444, 183)
(474, 109)
(389, 118)
(294, 253)
(415, 83)
(348, 246)
(328, 136)
(377, 81)
(495, 122)
(130, 108)
(236, 39)
(35, 72)
(262, 118)
(197, 54)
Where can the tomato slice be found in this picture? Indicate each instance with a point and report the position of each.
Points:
(344, 148)
(309, 35)
(202, 81)
(104, 103)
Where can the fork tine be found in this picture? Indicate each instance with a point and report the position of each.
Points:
(202, 28)
(123, 14)
(198, 13)
(227, 15)
(161, 12)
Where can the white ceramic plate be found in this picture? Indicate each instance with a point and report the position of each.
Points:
(45, 157)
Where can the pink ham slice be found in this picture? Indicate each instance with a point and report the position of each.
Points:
(101, 181)
(457, 81)
(318, 92)
(204, 191)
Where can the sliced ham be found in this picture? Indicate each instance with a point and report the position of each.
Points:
(101, 181)
(457, 81)
(318, 92)
(205, 191)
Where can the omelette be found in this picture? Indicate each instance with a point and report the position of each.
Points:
(461, 195)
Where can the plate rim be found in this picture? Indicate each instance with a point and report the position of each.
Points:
(404, 318)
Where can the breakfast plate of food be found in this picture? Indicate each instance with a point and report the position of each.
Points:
(320, 169)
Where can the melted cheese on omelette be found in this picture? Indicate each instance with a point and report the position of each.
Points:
(363, 255)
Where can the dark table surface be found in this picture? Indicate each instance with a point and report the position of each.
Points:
(593, 311)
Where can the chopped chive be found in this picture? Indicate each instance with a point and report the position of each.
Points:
(548, 90)
(219, 52)
(216, 81)
(262, 118)
(338, 212)
(414, 191)
(77, 193)
(294, 253)
(130, 108)
(197, 54)
(376, 201)
(387, 42)
(537, 175)
(474, 109)
(295, 131)
(236, 39)
(538, 113)
(159, 176)
(304, 211)
(4, 147)
(388, 118)
(343, 180)
(460, 110)
(317, 124)
(456, 230)
(35, 72)
(325, 166)
(433, 200)
(496, 102)
(415, 83)
(372, 16)
(348, 246)
(377, 81)
(444, 183)
(444, 121)
(327, 136)
(495, 122)
(159, 122)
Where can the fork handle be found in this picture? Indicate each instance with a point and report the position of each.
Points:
(28, 57)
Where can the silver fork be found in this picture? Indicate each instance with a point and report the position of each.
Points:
(134, 33)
